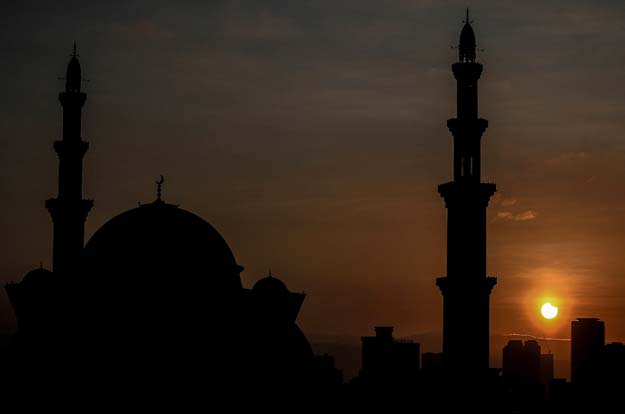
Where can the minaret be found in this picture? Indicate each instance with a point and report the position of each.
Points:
(68, 209)
(466, 288)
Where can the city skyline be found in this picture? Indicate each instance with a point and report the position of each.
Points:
(315, 188)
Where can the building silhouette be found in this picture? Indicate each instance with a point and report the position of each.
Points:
(521, 362)
(612, 368)
(546, 369)
(69, 210)
(153, 307)
(154, 298)
(388, 360)
(587, 344)
(466, 288)
(432, 363)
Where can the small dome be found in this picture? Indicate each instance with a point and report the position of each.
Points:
(37, 275)
(270, 285)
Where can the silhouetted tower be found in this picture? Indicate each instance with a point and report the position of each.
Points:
(587, 343)
(69, 210)
(466, 288)
(546, 368)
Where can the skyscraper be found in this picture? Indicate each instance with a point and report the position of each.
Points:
(587, 343)
(546, 368)
(466, 288)
(387, 360)
(522, 362)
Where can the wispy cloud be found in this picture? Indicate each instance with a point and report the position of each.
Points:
(524, 216)
(519, 335)
(502, 200)
(508, 202)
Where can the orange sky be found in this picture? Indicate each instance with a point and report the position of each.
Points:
(313, 136)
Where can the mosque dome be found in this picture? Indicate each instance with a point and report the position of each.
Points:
(38, 275)
(159, 243)
(270, 286)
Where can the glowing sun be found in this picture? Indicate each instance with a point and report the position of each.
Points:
(549, 311)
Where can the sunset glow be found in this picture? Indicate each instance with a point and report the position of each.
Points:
(549, 311)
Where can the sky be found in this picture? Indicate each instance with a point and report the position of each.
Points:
(312, 135)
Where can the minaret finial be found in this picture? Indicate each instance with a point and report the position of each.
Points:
(466, 47)
(269, 275)
(73, 76)
(159, 187)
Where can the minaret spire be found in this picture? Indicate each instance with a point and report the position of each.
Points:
(69, 210)
(466, 287)
(159, 187)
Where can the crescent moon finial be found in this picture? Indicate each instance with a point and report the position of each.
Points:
(159, 186)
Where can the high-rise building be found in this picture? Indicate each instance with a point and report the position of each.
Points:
(432, 362)
(521, 362)
(386, 359)
(587, 343)
(546, 368)
(466, 288)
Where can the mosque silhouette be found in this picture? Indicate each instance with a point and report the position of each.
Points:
(154, 296)
(152, 310)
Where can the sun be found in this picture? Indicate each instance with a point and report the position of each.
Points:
(549, 311)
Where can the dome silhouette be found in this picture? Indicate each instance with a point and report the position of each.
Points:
(38, 275)
(161, 243)
(270, 286)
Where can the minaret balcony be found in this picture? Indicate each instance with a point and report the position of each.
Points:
(461, 127)
(467, 71)
(71, 149)
(465, 285)
(466, 193)
(62, 209)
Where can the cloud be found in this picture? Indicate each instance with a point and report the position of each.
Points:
(521, 335)
(524, 216)
(507, 202)
(504, 201)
